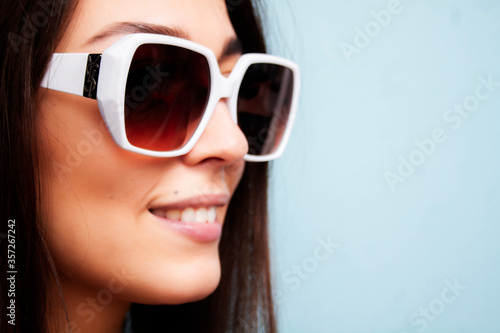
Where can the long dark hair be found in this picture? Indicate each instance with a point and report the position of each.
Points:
(243, 301)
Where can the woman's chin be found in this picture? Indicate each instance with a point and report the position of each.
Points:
(178, 288)
(195, 291)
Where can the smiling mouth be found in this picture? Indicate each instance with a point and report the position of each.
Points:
(196, 210)
(188, 214)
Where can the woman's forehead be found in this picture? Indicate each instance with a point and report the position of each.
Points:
(96, 24)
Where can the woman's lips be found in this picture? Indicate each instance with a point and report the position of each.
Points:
(195, 217)
(208, 200)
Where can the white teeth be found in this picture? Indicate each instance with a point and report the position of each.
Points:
(212, 214)
(189, 215)
(201, 215)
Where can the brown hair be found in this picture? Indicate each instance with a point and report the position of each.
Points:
(243, 300)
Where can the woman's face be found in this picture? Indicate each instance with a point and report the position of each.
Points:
(104, 225)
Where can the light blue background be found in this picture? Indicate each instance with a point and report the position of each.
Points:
(397, 250)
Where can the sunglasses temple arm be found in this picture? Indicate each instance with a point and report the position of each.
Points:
(73, 73)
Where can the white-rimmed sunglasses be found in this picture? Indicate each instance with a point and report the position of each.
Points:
(157, 93)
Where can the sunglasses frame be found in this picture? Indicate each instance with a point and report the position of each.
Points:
(104, 77)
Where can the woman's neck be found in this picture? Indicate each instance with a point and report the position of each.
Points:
(88, 310)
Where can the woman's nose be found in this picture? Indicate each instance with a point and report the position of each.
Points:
(222, 139)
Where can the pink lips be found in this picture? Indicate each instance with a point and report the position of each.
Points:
(200, 232)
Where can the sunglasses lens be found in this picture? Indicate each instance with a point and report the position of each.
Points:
(264, 103)
(166, 94)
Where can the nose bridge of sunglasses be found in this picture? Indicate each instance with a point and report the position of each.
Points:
(225, 86)
(225, 89)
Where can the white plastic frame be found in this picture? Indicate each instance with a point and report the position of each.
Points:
(66, 73)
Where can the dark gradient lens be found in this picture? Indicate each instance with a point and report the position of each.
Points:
(166, 94)
(264, 103)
